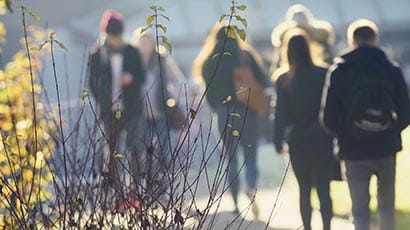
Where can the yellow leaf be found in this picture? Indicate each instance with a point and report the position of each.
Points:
(118, 155)
(227, 100)
(235, 133)
(118, 115)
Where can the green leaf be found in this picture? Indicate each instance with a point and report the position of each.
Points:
(223, 16)
(227, 53)
(84, 94)
(150, 19)
(232, 10)
(229, 126)
(8, 5)
(161, 8)
(242, 20)
(227, 100)
(235, 115)
(242, 34)
(167, 44)
(241, 7)
(153, 7)
(35, 16)
(235, 133)
(230, 32)
(62, 46)
(162, 27)
(22, 7)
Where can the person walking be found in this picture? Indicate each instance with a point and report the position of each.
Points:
(217, 64)
(299, 91)
(116, 76)
(366, 105)
(163, 92)
(320, 33)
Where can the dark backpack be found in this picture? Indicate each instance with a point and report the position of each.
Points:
(371, 108)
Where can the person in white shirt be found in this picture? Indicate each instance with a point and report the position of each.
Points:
(116, 75)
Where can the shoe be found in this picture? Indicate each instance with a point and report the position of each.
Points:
(122, 205)
(236, 211)
(255, 209)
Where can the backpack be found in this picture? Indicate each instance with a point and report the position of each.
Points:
(371, 108)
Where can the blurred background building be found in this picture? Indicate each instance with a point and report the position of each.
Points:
(77, 25)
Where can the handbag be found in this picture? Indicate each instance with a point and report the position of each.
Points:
(249, 91)
(176, 117)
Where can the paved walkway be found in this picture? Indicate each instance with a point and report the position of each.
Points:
(286, 214)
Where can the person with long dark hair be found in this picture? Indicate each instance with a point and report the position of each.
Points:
(217, 63)
(299, 90)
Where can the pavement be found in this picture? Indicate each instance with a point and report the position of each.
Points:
(284, 216)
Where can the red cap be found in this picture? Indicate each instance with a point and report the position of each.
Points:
(112, 22)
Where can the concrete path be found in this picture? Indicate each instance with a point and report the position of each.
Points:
(285, 215)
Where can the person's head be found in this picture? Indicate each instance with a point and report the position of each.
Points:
(212, 45)
(145, 42)
(112, 24)
(297, 50)
(299, 14)
(362, 32)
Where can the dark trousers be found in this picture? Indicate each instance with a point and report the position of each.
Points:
(313, 170)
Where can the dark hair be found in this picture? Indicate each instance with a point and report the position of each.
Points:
(364, 34)
(298, 51)
(114, 27)
(112, 22)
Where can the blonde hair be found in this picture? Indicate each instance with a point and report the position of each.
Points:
(216, 36)
(140, 33)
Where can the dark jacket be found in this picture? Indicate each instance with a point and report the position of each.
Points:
(297, 111)
(336, 100)
(222, 84)
(100, 82)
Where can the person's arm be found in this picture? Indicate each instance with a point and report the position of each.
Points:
(137, 70)
(281, 114)
(403, 101)
(93, 80)
(330, 112)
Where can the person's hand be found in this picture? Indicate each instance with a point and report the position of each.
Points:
(126, 79)
(283, 151)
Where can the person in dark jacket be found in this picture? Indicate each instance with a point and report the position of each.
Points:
(299, 92)
(116, 75)
(234, 118)
(372, 151)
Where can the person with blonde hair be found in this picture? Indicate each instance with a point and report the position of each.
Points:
(215, 65)
(366, 105)
(320, 32)
(299, 89)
